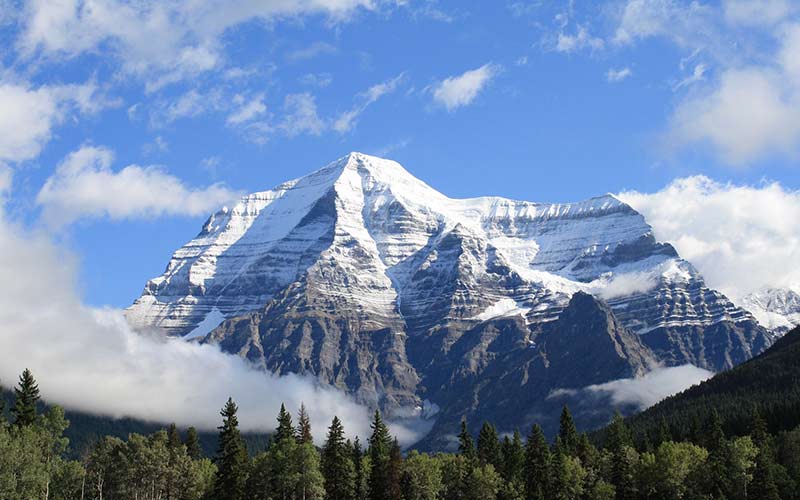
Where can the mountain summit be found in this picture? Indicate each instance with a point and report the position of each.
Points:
(369, 279)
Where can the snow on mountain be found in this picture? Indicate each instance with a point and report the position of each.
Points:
(246, 254)
(777, 309)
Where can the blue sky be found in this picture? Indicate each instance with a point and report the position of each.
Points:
(125, 124)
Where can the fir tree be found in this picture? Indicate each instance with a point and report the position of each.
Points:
(285, 429)
(513, 458)
(356, 455)
(380, 445)
(192, 443)
(489, 446)
(231, 457)
(466, 447)
(537, 465)
(568, 433)
(27, 395)
(394, 473)
(304, 426)
(337, 465)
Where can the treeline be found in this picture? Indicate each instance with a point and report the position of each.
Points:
(162, 466)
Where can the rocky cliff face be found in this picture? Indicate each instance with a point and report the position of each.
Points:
(369, 279)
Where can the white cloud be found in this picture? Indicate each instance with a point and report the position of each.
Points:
(617, 75)
(457, 91)
(741, 238)
(698, 75)
(347, 120)
(84, 185)
(757, 12)
(248, 109)
(579, 41)
(651, 388)
(320, 80)
(300, 116)
(623, 285)
(89, 359)
(162, 42)
(312, 51)
(29, 115)
(748, 113)
(685, 23)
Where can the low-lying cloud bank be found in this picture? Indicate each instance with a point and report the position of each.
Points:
(88, 359)
(651, 388)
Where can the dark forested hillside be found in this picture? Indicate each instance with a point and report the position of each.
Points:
(768, 384)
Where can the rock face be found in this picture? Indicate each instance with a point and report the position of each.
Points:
(367, 278)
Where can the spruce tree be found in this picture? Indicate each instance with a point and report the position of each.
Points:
(513, 458)
(380, 444)
(466, 447)
(356, 455)
(192, 443)
(617, 434)
(27, 395)
(537, 465)
(568, 433)
(394, 473)
(763, 486)
(285, 429)
(713, 439)
(231, 457)
(304, 426)
(337, 465)
(489, 446)
(173, 437)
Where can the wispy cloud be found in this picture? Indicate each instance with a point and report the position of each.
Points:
(347, 120)
(617, 75)
(314, 50)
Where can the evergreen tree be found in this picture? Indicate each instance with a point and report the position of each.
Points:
(337, 465)
(568, 433)
(380, 445)
(304, 426)
(617, 434)
(27, 395)
(192, 443)
(466, 447)
(306, 467)
(357, 455)
(513, 458)
(394, 473)
(623, 472)
(173, 436)
(537, 465)
(231, 457)
(489, 446)
(763, 486)
(713, 439)
(285, 429)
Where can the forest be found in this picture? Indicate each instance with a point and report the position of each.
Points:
(170, 465)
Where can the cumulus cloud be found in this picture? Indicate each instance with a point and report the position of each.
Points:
(689, 24)
(741, 238)
(617, 75)
(651, 388)
(624, 285)
(84, 185)
(457, 91)
(162, 42)
(89, 359)
(30, 114)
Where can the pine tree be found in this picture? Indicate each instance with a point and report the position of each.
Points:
(568, 433)
(192, 443)
(489, 446)
(231, 457)
(173, 436)
(380, 445)
(337, 465)
(304, 426)
(466, 447)
(27, 395)
(285, 429)
(537, 465)
(394, 473)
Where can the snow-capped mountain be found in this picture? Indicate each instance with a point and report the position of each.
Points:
(777, 309)
(366, 277)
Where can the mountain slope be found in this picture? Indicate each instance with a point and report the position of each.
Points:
(367, 278)
(768, 383)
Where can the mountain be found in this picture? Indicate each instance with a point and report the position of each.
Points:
(376, 283)
(777, 309)
(768, 384)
